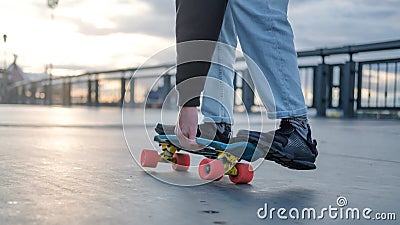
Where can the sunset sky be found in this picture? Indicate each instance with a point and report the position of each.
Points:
(95, 35)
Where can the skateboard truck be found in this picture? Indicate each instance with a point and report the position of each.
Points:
(216, 164)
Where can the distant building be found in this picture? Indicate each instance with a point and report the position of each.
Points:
(15, 74)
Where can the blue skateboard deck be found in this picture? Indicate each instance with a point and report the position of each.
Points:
(211, 149)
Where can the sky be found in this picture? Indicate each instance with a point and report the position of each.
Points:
(92, 35)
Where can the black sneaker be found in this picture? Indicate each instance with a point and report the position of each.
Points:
(291, 146)
(221, 132)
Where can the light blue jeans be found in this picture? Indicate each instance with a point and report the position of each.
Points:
(266, 38)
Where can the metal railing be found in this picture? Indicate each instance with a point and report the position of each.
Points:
(378, 83)
(349, 86)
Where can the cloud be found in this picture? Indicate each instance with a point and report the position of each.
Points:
(121, 33)
(157, 20)
(317, 23)
(327, 23)
(160, 25)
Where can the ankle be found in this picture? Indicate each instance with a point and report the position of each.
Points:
(298, 121)
(302, 118)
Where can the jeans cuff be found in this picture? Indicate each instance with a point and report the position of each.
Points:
(287, 114)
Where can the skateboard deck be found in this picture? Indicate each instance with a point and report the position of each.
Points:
(211, 149)
(220, 158)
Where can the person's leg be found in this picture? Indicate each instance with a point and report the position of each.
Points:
(266, 37)
(218, 96)
(196, 22)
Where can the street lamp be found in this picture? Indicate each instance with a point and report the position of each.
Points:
(5, 51)
(52, 4)
(49, 91)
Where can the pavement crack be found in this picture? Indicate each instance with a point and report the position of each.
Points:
(210, 211)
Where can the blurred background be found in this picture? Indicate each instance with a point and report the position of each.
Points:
(86, 52)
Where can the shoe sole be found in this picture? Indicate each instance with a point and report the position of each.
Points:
(287, 160)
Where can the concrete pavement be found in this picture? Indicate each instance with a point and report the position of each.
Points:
(72, 166)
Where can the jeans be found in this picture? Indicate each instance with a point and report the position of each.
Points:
(266, 38)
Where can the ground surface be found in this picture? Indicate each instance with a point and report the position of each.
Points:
(72, 166)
